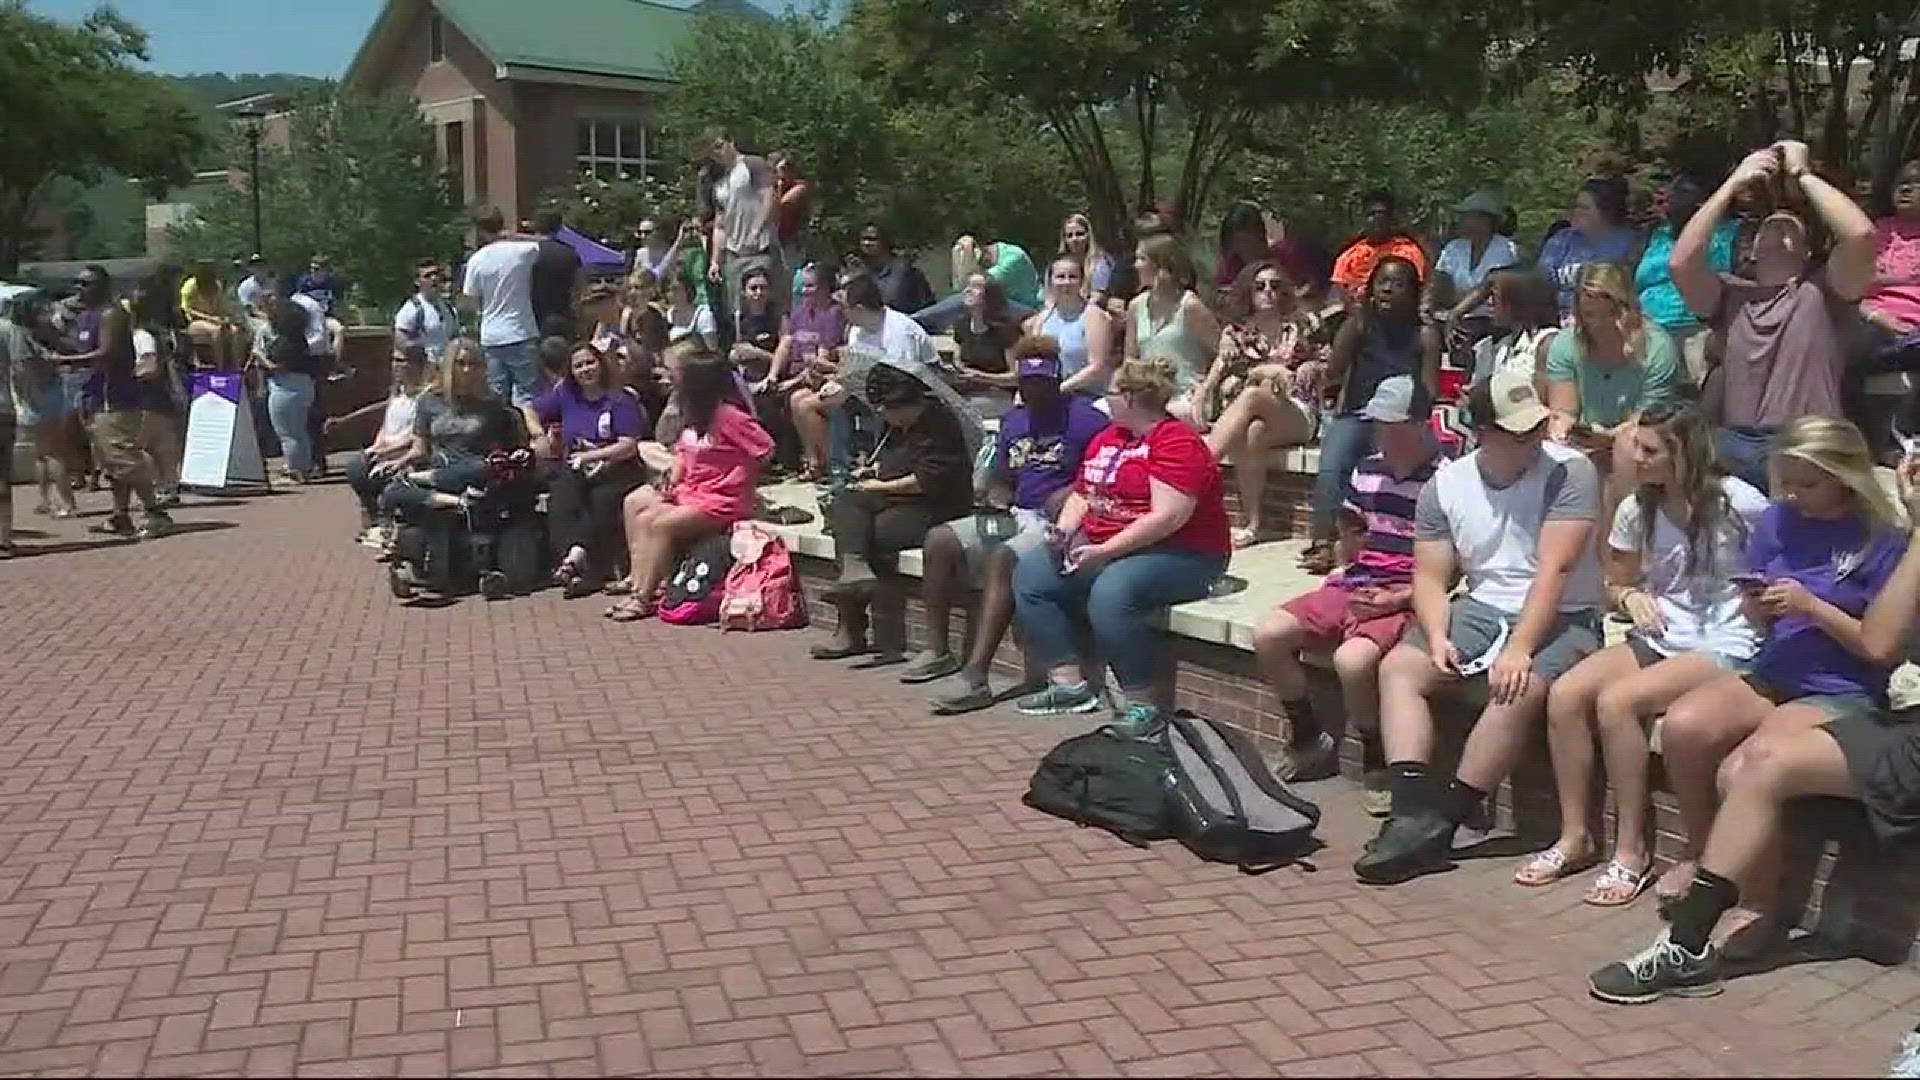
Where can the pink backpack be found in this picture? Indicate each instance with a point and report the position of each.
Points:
(762, 592)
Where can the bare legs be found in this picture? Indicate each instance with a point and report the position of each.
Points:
(657, 530)
(1697, 734)
(810, 420)
(1259, 420)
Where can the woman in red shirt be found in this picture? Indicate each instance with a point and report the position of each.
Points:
(1145, 527)
(716, 467)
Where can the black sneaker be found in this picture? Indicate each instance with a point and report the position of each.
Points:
(120, 525)
(493, 585)
(158, 524)
(400, 581)
(1407, 847)
(1662, 968)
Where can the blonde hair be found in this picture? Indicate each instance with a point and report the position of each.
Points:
(1837, 448)
(1613, 283)
(1168, 255)
(1094, 251)
(457, 347)
(1151, 380)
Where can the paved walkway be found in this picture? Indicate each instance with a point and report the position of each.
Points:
(257, 818)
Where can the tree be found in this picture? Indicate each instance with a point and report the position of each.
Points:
(1118, 83)
(75, 109)
(359, 180)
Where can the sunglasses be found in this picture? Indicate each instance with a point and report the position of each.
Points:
(1268, 285)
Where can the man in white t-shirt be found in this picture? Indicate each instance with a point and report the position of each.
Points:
(425, 318)
(874, 332)
(253, 285)
(500, 278)
(746, 225)
(1515, 519)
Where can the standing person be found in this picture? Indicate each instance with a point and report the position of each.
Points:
(1144, 528)
(593, 432)
(500, 277)
(369, 470)
(1515, 518)
(329, 290)
(1258, 396)
(1384, 338)
(1597, 233)
(1840, 570)
(1671, 554)
(17, 351)
(1660, 298)
(745, 228)
(1466, 262)
(104, 336)
(793, 200)
(903, 286)
(285, 351)
(1082, 329)
(1078, 243)
(42, 402)
(815, 331)
(160, 434)
(1361, 611)
(557, 271)
(709, 487)
(1037, 454)
(1382, 236)
(1783, 358)
(425, 319)
(1169, 321)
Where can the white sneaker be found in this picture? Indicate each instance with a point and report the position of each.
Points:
(1906, 1062)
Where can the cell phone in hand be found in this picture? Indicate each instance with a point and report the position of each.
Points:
(1748, 583)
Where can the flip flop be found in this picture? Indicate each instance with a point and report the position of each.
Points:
(1617, 885)
(1546, 867)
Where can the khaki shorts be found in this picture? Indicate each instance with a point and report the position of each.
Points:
(117, 449)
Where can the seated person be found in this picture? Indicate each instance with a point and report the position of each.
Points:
(1611, 365)
(1360, 612)
(1526, 320)
(1145, 527)
(875, 332)
(802, 361)
(982, 334)
(212, 324)
(1673, 549)
(1889, 314)
(591, 429)
(1004, 263)
(1515, 518)
(455, 427)
(710, 485)
(1839, 741)
(1036, 456)
(1381, 238)
(921, 476)
(370, 470)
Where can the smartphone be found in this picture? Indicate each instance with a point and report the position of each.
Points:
(1750, 583)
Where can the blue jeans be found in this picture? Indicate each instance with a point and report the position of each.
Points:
(1119, 601)
(365, 487)
(289, 399)
(937, 317)
(1344, 442)
(1743, 453)
(513, 371)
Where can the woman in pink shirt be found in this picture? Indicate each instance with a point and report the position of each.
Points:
(716, 468)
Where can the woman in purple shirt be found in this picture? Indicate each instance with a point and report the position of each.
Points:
(591, 433)
(1839, 741)
(1598, 233)
(816, 328)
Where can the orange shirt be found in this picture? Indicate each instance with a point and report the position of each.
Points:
(1355, 265)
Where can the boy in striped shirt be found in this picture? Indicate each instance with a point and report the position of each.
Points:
(1360, 611)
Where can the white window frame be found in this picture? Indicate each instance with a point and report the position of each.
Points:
(605, 146)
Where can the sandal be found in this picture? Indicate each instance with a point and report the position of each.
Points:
(618, 587)
(632, 609)
(1549, 866)
(1245, 537)
(1617, 885)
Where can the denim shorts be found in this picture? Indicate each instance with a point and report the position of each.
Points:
(513, 371)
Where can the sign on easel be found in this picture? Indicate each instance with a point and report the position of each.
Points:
(221, 447)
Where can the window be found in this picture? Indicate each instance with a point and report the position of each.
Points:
(456, 133)
(614, 149)
(436, 38)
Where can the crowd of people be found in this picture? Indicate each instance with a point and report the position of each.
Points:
(1650, 426)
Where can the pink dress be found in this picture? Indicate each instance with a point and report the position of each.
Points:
(719, 470)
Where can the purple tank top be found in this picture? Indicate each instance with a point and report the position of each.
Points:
(112, 385)
(813, 329)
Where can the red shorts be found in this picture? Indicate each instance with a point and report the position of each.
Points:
(1327, 614)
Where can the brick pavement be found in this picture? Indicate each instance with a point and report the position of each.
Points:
(257, 818)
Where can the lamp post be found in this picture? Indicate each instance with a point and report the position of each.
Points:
(252, 118)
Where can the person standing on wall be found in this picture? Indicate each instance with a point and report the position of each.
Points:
(746, 220)
(556, 277)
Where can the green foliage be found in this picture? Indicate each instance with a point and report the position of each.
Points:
(359, 181)
(76, 109)
(929, 168)
(609, 209)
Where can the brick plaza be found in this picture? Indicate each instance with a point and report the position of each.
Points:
(256, 818)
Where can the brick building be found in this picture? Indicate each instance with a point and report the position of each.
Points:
(525, 95)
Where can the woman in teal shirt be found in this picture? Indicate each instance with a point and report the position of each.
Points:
(1614, 364)
(1659, 297)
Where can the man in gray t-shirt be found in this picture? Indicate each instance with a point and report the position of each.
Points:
(1515, 520)
(745, 228)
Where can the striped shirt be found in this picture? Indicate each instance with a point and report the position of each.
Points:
(1385, 504)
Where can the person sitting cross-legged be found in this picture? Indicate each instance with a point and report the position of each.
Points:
(1145, 527)
(1515, 517)
(1037, 455)
(370, 470)
(1360, 612)
(1837, 745)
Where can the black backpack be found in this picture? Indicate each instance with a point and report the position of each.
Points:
(1193, 780)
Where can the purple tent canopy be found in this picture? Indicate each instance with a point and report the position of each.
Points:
(598, 257)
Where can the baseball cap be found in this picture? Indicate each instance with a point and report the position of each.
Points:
(1039, 367)
(1516, 403)
(1392, 401)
